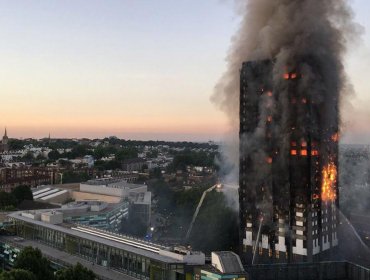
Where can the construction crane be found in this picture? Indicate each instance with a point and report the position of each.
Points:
(218, 187)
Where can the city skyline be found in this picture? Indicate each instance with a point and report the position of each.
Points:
(132, 69)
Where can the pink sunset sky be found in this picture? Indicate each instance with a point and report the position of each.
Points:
(133, 69)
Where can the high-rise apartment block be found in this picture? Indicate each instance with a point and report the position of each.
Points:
(288, 165)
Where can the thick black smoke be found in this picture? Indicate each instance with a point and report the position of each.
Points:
(286, 31)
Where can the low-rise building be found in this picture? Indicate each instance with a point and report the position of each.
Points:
(52, 217)
(11, 177)
(130, 256)
(225, 265)
(137, 196)
(140, 207)
(50, 194)
(10, 157)
(135, 164)
(96, 214)
(112, 186)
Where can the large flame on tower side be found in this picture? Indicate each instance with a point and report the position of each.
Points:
(329, 182)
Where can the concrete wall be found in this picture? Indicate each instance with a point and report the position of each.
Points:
(309, 271)
(33, 216)
(52, 217)
(98, 207)
(74, 211)
(139, 189)
(91, 196)
(196, 259)
(102, 189)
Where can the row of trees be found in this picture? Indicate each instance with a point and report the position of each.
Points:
(216, 227)
(54, 144)
(189, 157)
(98, 152)
(77, 176)
(32, 265)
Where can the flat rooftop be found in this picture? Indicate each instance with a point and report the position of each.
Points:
(136, 246)
(66, 259)
(230, 262)
(113, 183)
(109, 207)
(141, 198)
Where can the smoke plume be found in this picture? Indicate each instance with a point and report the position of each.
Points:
(282, 31)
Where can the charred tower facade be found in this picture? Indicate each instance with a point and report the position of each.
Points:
(288, 162)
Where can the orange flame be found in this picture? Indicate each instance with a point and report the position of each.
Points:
(314, 153)
(329, 180)
(335, 137)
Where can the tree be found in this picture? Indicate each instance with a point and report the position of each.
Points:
(16, 144)
(40, 157)
(155, 173)
(126, 153)
(216, 227)
(28, 157)
(79, 151)
(75, 176)
(17, 274)
(112, 165)
(100, 152)
(7, 201)
(64, 163)
(188, 157)
(32, 260)
(77, 272)
(53, 155)
(152, 154)
(133, 225)
(22, 193)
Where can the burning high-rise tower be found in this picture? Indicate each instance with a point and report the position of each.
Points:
(289, 90)
(288, 160)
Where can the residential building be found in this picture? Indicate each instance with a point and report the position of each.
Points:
(11, 177)
(288, 166)
(135, 164)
